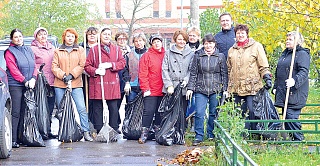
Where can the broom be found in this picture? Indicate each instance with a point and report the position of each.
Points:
(106, 133)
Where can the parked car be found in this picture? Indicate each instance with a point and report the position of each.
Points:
(5, 117)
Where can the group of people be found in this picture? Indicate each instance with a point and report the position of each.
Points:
(228, 63)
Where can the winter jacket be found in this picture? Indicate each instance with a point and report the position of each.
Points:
(299, 92)
(208, 74)
(133, 65)
(111, 80)
(246, 68)
(44, 54)
(124, 73)
(20, 64)
(65, 63)
(150, 71)
(176, 67)
(225, 39)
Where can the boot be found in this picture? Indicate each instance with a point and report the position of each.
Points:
(144, 135)
(87, 136)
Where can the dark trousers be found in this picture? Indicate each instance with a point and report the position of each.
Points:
(119, 105)
(247, 110)
(51, 103)
(151, 105)
(97, 114)
(18, 109)
(293, 114)
(90, 104)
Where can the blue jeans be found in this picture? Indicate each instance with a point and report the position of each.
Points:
(201, 105)
(131, 96)
(77, 95)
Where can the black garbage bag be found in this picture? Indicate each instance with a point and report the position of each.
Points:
(132, 122)
(69, 122)
(264, 109)
(43, 112)
(31, 135)
(173, 121)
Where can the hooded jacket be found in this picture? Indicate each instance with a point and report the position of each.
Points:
(299, 92)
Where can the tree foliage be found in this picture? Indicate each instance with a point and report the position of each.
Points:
(55, 15)
(3, 15)
(209, 21)
(271, 20)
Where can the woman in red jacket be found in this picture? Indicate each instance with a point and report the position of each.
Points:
(150, 79)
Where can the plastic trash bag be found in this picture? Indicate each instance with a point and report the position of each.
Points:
(264, 109)
(69, 121)
(132, 122)
(42, 113)
(173, 122)
(31, 135)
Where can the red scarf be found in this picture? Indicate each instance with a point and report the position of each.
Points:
(242, 44)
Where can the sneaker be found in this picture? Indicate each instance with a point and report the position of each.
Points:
(196, 142)
(87, 136)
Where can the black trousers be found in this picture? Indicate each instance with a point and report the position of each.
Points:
(18, 109)
(247, 110)
(151, 105)
(293, 114)
(97, 114)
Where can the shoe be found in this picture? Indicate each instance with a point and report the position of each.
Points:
(211, 139)
(196, 142)
(87, 136)
(144, 135)
(52, 136)
(15, 145)
(118, 131)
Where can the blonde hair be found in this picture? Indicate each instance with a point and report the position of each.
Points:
(300, 39)
(194, 29)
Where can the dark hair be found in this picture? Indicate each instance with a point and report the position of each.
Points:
(225, 14)
(14, 31)
(208, 38)
(118, 34)
(182, 33)
(90, 30)
(242, 27)
(104, 29)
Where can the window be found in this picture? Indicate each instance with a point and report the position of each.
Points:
(156, 14)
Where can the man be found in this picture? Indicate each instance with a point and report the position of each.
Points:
(226, 37)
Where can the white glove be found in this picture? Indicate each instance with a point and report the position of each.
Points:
(32, 83)
(189, 94)
(170, 90)
(69, 84)
(127, 88)
(183, 84)
(226, 94)
(105, 65)
(100, 71)
(274, 91)
(290, 82)
(146, 93)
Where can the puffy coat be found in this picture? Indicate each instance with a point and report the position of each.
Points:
(246, 68)
(299, 92)
(64, 63)
(44, 54)
(225, 39)
(176, 67)
(208, 74)
(111, 81)
(150, 74)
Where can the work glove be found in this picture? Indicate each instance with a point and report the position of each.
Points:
(189, 94)
(183, 84)
(31, 83)
(127, 88)
(268, 81)
(170, 90)
(274, 91)
(67, 78)
(69, 84)
(146, 93)
(100, 71)
(290, 82)
(226, 94)
(105, 65)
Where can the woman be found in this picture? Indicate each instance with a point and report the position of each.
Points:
(298, 84)
(43, 52)
(151, 83)
(21, 76)
(67, 65)
(112, 62)
(139, 41)
(208, 80)
(247, 66)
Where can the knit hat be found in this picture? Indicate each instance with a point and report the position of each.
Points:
(153, 37)
(37, 30)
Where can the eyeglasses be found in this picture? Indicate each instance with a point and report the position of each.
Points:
(122, 38)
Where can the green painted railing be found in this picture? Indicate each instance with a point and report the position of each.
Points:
(229, 149)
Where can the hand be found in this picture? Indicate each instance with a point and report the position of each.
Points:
(67, 78)
(100, 71)
(105, 65)
(290, 82)
(189, 94)
(183, 84)
(69, 84)
(226, 94)
(32, 83)
(127, 88)
(274, 91)
(268, 81)
(146, 93)
(170, 90)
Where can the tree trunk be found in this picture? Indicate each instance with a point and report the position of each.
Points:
(194, 13)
